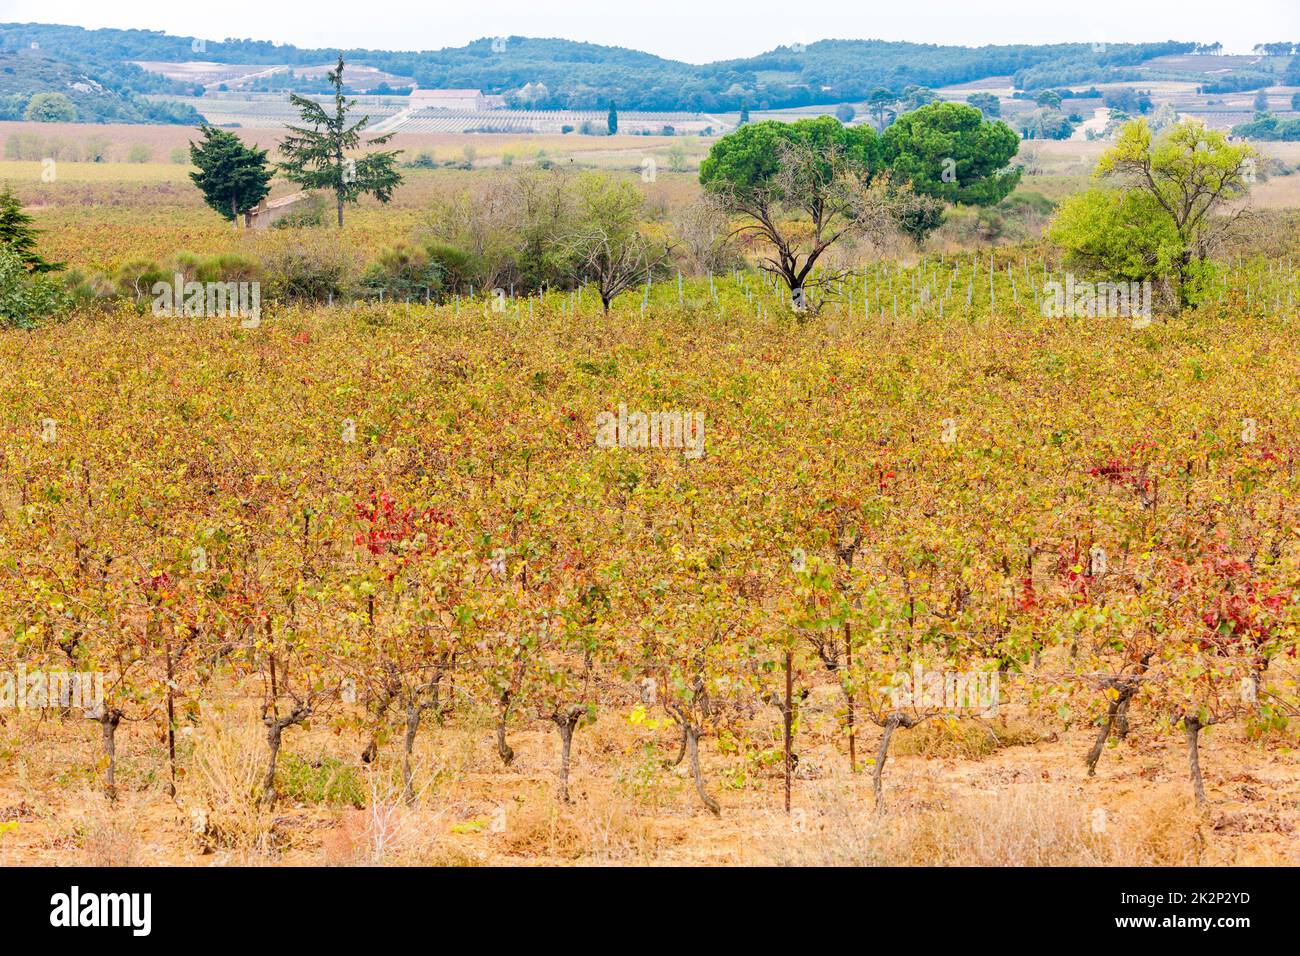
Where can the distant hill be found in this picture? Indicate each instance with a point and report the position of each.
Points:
(564, 74)
(99, 97)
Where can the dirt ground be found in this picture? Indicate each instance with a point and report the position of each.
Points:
(973, 795)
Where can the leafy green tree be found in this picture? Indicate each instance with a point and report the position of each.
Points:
(986, 103)
(845, 113)
(1045, 124)
(1128, 100)
(914, 97)
(1171, 191)
(948, 151)
(316, 157)
(1261, 102)
(744, 113)
(18, 236)
(801, 187)
(1295, 102)
(880, 103)
(1050, 99)
(233, 177)
(612, 120)
(50, 108)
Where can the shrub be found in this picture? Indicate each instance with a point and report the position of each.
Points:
(50, 108)
(135, 278)
(454, 265)
(424, 160)
(220, 267)
(26, 298)
(306, 273)
(403, 273)
(1116, 232)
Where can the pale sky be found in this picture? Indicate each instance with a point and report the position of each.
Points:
(697, 31)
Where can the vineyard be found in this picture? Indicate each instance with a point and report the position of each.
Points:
(270, 111)
(365, 583)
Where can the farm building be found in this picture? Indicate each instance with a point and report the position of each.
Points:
(449, 100)
(267, 213)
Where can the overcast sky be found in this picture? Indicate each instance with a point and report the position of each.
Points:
(694, 30)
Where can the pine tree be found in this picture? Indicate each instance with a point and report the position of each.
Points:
(744, 114)
(613, 119)
(17, 234)
(315, 157)
(233, 177)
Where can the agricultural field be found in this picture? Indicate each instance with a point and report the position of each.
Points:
(679, 651)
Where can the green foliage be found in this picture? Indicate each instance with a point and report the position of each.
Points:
(25, 297)
(745, 163)
(401, 273)
(315, 157)
(326, 780)
(586, 76)
(233, 177)
(100, 90)
(50, 108)
(1129, 100)
(611, 121)
(218, 267)
(1020, 217)
(949, 151)
(423, 160)
(1116, 233)
(306, 273)
(1266, 126)
(1076, 63)
(1049, 99)
(919, 219)
(18, 236)
(455, 268)
(1161, 219)
(134, 279)
(986, 103)
(607, 246)
(1237, 82)
(1045, 124)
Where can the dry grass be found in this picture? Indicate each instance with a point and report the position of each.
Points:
(952, 801)
(968, 739)
(223, 790)
(1030, 825)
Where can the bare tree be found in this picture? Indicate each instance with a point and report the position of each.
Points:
(704, 230)
(608, 247)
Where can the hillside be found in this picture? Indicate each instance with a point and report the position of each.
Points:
(98, 97)
(564, 74)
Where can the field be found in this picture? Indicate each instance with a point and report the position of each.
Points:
(341, 510)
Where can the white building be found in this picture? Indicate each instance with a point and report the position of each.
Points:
(448, 99)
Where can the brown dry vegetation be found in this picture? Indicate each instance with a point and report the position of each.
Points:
(1017, 804)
